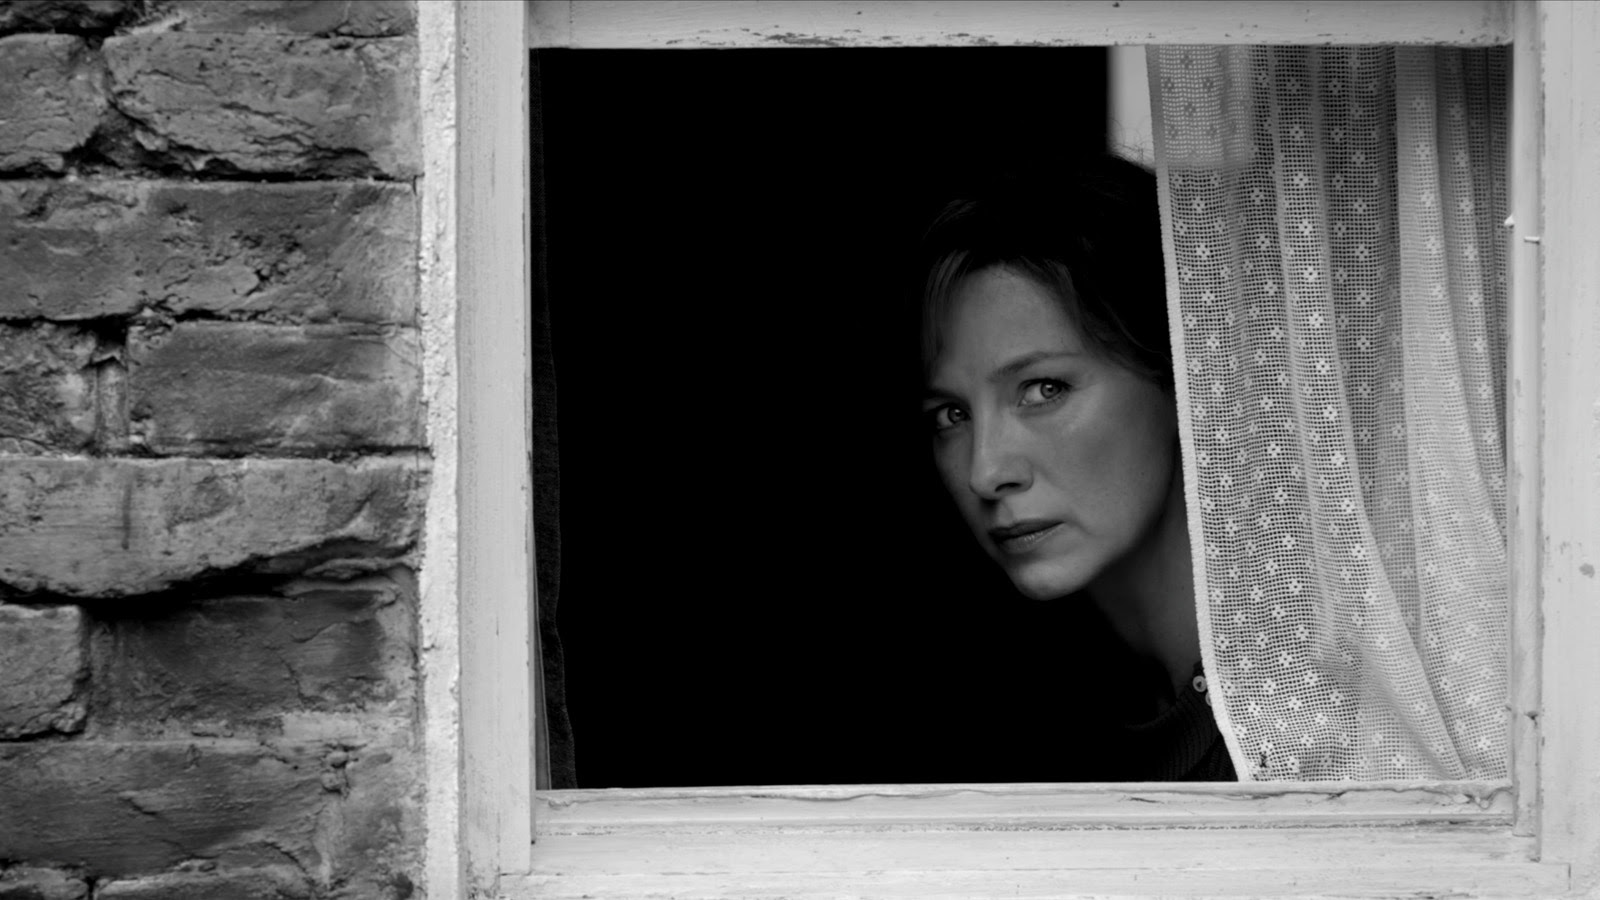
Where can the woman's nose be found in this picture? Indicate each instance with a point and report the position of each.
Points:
(998, 466)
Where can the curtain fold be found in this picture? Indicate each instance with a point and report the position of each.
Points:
(555, 765)
(1337, 281)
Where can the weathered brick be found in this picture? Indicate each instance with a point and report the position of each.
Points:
(51, 99)
(94, 16)
(318, 818)
(376, 831)
(29, 883)
(264, 883)
(104, 527)
(269, 103)
(228, 664)
(207, 387)
(291, 252)
(352, 18)
(47, 388)
(41, 664)
(137, 808)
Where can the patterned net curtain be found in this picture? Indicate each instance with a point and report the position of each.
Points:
(1335, 250)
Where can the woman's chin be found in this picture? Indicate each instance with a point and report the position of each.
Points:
(1039, 580)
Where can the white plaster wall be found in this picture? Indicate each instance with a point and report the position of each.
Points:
(439, 655)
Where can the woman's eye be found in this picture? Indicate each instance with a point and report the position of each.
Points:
(947, 416)
(1042, 391)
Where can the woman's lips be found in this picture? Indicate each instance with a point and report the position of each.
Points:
(1025, 535)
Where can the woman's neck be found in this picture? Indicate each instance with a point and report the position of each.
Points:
(1148, 596)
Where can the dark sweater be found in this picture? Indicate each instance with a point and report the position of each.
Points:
(1182, 743)
(1090, 704)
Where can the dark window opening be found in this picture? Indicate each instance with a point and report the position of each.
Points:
(758, 583)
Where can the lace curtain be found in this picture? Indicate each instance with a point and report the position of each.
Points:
(1333, 217)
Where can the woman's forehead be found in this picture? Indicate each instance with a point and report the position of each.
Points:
(996, 314)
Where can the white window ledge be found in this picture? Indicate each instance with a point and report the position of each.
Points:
(1034, 841)
(1433, 861)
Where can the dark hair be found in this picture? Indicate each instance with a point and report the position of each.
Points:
(1090, 232)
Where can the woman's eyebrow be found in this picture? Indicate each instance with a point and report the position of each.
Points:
(1016, 365)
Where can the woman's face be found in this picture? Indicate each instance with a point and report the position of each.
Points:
(1060, 459)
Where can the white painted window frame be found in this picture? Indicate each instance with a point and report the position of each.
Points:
(490, 833)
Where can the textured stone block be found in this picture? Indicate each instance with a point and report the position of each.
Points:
(77, 16)
(377, 829)
(206, 387)
(136, 808)
(102, 527)
(41, 663)
(344, 818)
(47, 388)
(51, 99)
(352, 18)
(27, 883)
(293, 252)
(266, 883)
(268, 103)
(229, 664)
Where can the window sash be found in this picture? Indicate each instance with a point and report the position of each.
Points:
(1487, 838)
(650, 24)
(1133, 805)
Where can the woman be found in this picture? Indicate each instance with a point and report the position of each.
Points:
(1049, 397)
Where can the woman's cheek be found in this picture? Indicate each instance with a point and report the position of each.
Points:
(952, 461)
(946, 456)
(1090, 469)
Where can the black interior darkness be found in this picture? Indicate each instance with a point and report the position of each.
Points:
(757, 582)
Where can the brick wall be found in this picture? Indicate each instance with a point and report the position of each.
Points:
(211, 450)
